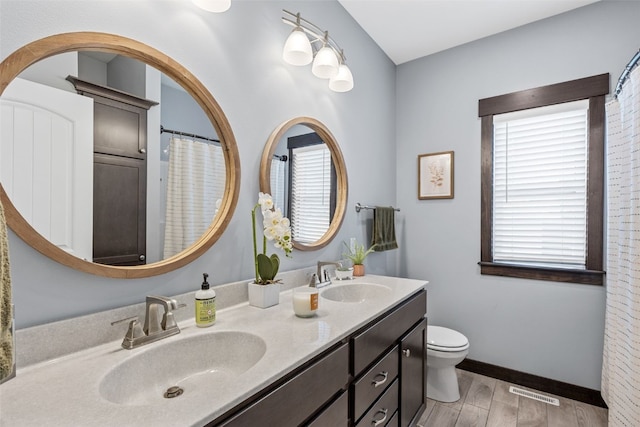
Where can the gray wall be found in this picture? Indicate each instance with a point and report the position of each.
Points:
(237, 55)
(550, 329)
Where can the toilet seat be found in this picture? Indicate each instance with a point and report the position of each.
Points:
(444, 339)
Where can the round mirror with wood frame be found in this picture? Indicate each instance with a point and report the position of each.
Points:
(35, 51)
(341, 186)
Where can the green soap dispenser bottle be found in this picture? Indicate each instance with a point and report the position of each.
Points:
(205, 305)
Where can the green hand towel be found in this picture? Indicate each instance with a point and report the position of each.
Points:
(6, 318)
(384, 229)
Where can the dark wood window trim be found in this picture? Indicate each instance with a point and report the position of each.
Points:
(594, 89)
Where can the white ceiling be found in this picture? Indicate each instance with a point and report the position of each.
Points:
(410, 29)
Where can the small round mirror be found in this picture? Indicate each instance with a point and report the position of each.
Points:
(303, 169)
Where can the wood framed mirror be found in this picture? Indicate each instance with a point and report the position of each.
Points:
(302, 157)
(20, 60)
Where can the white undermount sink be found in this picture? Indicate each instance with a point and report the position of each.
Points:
(199, 360)
(357, 292)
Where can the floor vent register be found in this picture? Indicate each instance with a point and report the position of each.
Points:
(535, 396)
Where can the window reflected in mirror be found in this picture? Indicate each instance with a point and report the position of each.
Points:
(303, 167)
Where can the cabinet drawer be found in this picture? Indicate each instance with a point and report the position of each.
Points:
(394, 421)
(294, 401)
(336, 415)
(367, 389)
(370, 344)
(383, 409)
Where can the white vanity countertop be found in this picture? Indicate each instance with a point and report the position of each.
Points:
(65, 391)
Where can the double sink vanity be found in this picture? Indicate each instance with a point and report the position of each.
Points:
(359, 361)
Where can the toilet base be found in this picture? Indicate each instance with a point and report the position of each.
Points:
(442, 385)
(442, 380)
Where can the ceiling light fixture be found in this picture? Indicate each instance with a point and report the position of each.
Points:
(216, 6)
(308, 42)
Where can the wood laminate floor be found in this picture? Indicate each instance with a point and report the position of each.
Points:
(487, 402)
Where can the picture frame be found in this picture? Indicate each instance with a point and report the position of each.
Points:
(435, 175)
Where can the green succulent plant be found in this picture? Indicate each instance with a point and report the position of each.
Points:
(268, 267)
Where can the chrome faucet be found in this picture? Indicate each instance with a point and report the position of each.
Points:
(321, 278)
(154, 329)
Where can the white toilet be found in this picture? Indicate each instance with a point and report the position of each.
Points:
(445, 349)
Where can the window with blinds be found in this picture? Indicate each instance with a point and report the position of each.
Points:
(540, 186)
(310, 192)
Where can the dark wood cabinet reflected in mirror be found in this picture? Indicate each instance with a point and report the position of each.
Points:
(303, 169)
(113, 170)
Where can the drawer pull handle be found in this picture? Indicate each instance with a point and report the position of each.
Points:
(383, 374)
(406, 352)
(381, 420)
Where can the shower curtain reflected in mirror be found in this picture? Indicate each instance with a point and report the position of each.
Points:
(195, 182)
(621, 356)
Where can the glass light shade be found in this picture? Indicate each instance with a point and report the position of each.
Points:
(297, 48)
(326, 64)
(213, 5)
(343, 81)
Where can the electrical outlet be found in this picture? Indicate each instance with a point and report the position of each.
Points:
(352, 244)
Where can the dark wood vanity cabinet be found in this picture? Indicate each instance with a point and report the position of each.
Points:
(389, 358)
(376, 377)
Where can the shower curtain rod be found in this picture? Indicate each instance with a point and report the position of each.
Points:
(192, 135)
(625, 74)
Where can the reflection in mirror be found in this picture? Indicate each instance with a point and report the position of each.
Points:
(109, 170)
(91, 171)
(303, 182)
(303, 169)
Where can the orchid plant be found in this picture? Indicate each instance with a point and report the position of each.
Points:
(276, 228)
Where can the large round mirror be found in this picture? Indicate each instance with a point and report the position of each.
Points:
(303, 169)
(114, 159)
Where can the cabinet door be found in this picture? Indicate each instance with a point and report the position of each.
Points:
(413, 373)
(119, 210)
(120, 129)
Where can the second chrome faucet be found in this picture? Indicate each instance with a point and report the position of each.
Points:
(322, 278)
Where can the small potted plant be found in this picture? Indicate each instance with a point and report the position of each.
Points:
(357, 256)
(264, 290)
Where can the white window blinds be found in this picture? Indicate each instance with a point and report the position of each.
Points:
(310, 192)
(540, 186)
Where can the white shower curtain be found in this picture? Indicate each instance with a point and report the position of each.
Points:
(196, 180)
(621, 357)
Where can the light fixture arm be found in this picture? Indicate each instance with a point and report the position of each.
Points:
(319, 36)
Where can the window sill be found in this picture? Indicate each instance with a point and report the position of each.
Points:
(585, 277)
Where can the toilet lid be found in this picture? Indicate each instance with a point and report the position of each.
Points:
(445, 339)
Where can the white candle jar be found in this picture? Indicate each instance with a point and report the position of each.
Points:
(305, 301)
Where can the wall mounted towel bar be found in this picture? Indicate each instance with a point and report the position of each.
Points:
(359, 207)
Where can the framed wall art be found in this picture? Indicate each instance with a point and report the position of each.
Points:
(435, 175)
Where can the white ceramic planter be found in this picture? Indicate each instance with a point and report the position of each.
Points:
(344, 274)
(264, 296)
